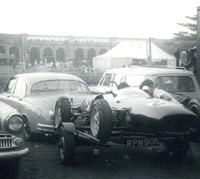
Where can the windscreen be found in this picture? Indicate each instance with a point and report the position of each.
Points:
(58, 85)
(175, 83)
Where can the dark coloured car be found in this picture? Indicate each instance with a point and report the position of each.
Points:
(11, 140)
(128, 117)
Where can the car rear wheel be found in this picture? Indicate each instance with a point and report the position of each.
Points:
(66, 146)
(101, 120)
(62, 111)
(178, 150)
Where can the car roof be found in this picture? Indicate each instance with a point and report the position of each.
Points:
(150, 71)
(31, 78)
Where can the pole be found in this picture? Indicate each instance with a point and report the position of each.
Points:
(197, 64)
(150, 56)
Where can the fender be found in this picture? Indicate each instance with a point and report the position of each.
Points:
(68, 126)
(194, 105)
(194, 101)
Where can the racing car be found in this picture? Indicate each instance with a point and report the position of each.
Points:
(128, 116)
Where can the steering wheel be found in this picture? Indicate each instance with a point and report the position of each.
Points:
(113, 85)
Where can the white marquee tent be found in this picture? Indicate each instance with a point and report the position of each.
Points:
(126, 51)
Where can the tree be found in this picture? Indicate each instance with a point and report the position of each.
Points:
(187, 39)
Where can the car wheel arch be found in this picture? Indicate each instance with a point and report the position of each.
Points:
(96, 98)
(25, 118)
(194, 106)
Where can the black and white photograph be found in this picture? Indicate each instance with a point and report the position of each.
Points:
(100, 89)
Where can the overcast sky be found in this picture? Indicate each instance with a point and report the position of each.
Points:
(96, 18)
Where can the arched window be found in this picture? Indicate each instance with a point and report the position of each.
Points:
(91, 53)
(79, 53)
(60, 54)
(34, 55)
(2, 49)
(48, 55)
(15, 52)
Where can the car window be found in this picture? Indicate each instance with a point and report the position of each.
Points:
(58, 85)
(175, 83)
(10, 86)
(134, 80)
(118, 78)
(106, 79)
(20, 88)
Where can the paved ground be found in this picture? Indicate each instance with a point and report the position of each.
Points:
(117, 163)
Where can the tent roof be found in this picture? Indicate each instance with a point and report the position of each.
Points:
(137, 49)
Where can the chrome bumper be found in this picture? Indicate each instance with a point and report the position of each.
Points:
(44, 128)
(13, 154)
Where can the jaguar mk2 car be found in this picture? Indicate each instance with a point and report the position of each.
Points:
(11, 140)
(34, 96)
(128, 116)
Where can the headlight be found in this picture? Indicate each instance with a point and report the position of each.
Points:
(15, 123)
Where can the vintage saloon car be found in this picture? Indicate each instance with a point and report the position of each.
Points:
(179, 82)
(11, 138)
(127, 116)
(34, 96)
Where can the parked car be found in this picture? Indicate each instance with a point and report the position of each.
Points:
(11, 140)
(34, 96)
(179, 82)
(127, 116)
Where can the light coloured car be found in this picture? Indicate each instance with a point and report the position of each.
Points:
(34, 96)
(178, 82)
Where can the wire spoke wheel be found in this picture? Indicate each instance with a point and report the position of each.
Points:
(101, 120)
(95, 122)
(66, 146)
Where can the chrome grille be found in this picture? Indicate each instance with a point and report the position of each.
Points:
(6, 141)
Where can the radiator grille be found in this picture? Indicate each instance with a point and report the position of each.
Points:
(6, 141)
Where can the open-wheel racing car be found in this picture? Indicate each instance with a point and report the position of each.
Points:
(127, 116)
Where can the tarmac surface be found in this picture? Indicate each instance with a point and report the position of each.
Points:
(113, 162)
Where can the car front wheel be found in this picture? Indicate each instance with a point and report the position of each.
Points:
(101, 120)
(66, 146)
(28, 135)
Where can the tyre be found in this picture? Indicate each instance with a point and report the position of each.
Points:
(28, 135)
(66, 146)
(62, 111)
(101, 120)
(10, 169)
(178, 150)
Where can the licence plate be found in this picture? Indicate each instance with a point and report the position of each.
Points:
(142, 142)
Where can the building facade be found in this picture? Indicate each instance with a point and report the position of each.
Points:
(33, 49)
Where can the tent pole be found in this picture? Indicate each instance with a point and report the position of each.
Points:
(150, 56)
